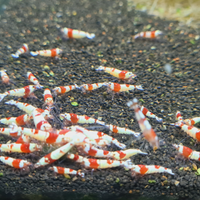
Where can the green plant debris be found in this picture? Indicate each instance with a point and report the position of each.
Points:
(118, 61)
(162, 95)
(1, 173)
(99, 54)
(198, 172)
(67, 176)
(141, 100)
(117, 180)
(192, 41)
(74, 103)
(151, 181)
(45, 73)
(46, 67)
(181, 168)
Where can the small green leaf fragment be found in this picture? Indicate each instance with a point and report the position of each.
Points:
(74, 103)
(117, 180)
(198, 172)
(181, 168)
(1, 173)
(151, 181)
(192, 41)
(141, 100)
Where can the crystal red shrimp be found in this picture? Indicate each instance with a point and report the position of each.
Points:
(97, 135)
(4, 77)
(145, 126)
(147, 113)
(20, 120)
(13, 132)
(178, 116)
(29, 108)
(187, 152)
(121, 130)
(115, 87)
(40, 122)
(118, 155)
(148, 169)
(90, 87)
(48, 99)
(20, 92)
(192, 121)
(44, 136)
(54, 155)
(189, 122)
(20, 51)
(33, 80)
(20, 148)
(97, 163)
(54, 53)
(80, 119)
(64, 89)
(23, 139)
(121, 74)
(148, 34)
(190, 130)
(62, 170)
(69, 33)
(16, 163)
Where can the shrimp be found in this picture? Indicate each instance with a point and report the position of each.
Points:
(145, 126)
(121, 74)
(68, 33)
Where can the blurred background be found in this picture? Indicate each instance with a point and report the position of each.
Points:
(185, 11)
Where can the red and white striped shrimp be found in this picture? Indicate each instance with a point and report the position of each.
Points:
(98, 136)
(48, 99)
(90, 87)
(97, 163)
(187, 152)
(44, 136)
(23, 139)
(147, 113)
(4, 77)
(68, 33)
(62, 170)
(120, 130)
(54, 53)
(179, 116)
(54, 155)
(121, 74)
(192, 121)
(40, 122)
(145, 126)
(16, 163)
(115, 87)
(20, 120)
(148, 34)
(148, 169)
(20, 92)
(117, 155)
(20, 51)
(80, 119)
(29, 108)
(33, 80)
(13, 131)
(64, 89)
(190, 130)
(20, 148)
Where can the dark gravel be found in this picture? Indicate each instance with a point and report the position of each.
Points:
(114, 23)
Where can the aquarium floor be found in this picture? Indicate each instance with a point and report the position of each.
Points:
(114, 23)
